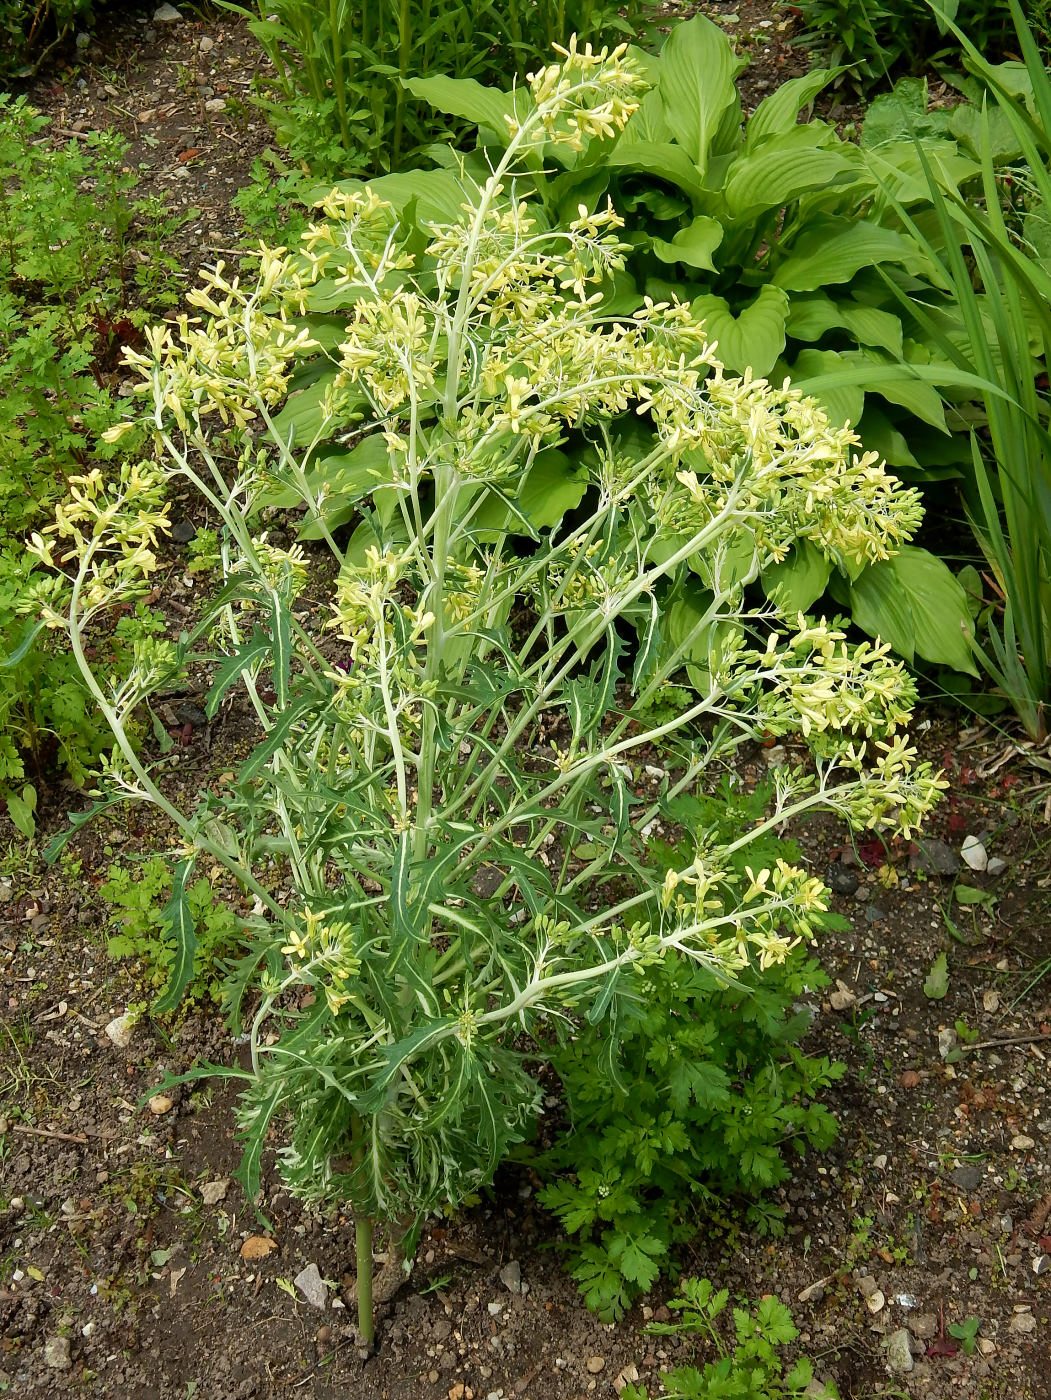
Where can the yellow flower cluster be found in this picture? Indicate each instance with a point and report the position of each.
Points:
(238, 357)
(797, 476)
(773, 912)
(109, 527)
(586, 95)
(816, 683)
(322, 953)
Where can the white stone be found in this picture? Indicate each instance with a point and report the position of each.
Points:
(312, 1286)
(120, 1030)
(166, 14)
(974, 853)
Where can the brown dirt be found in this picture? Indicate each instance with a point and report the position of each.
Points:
(938, 1191)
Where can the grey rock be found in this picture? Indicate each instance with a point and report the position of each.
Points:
(190, 714)
(863, 894)
(924, 1326)
(966, 1178)
(166, 14)
(511, 1276)
(899, 1352)
(840, 879)
(206, 44)
(312, 1286)
(56, 1354)
(997, 865)
(183, 531)
(441, 1330)
(934, 858)
(874, 913)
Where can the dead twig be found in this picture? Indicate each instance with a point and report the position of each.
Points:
(50, 1133)
(1007, 1040)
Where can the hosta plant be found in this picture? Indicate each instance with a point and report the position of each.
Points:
(437, 824)
(790, 243)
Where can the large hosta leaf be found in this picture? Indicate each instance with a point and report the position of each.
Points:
(778, 112)
(697, 69)
(799, 581)
(814, 372)
(913, 602)
(785, 167)
(832, 250)
(692, 245)
(660, 160)
(553, 485)
(752, 338)
(811, 316)
(469, 100)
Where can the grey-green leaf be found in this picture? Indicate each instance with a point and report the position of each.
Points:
(179, 921)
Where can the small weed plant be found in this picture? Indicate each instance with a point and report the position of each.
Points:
(750, 1369)
(139, 896)
(440, 777)
(706, 1088)
(30, 29)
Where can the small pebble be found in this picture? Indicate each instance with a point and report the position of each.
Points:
(595, 1364)
(159, 1104)
(121, 1029)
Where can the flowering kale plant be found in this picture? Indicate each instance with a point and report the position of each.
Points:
(444, 776)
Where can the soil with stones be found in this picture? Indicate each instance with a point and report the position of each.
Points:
(130, 1264)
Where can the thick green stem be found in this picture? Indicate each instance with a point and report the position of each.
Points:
(363, 1264)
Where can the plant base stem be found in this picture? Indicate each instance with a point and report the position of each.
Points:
(363, 1263)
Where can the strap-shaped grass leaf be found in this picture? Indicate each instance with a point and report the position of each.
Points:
(179, 920)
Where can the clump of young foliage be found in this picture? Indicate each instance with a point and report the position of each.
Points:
(339, 95)
(873, 39)
(30, 29)
(703, 1090)
(458, 701)
(73, 280)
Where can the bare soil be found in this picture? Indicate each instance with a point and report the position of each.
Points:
(130, 1264)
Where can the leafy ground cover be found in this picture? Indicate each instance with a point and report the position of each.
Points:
(921, 1231)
